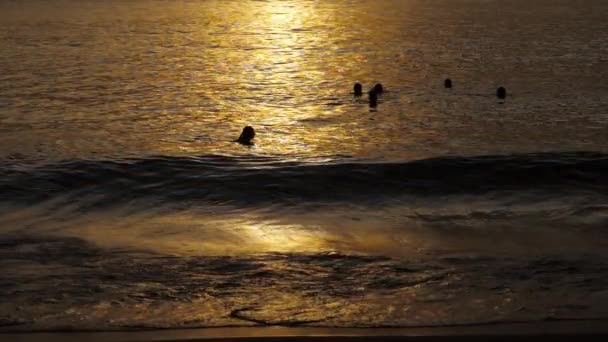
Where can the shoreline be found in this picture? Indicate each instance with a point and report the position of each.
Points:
(556, 330)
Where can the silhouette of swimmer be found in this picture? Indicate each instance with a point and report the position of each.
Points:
(378, 88)
(501, 93)
(373, 98)
(246, 136)
(447, 83)
(358, 88)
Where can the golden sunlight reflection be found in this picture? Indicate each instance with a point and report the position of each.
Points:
(128, 202)
(190, 233)
(292, 85)
(284, 14)
(284, 67)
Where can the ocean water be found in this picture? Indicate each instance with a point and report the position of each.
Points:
(125, 202)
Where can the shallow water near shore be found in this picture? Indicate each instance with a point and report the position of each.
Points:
(125, 203)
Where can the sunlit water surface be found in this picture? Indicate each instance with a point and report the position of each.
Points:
(125, 203)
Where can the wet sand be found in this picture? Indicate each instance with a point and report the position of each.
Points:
(550, 330)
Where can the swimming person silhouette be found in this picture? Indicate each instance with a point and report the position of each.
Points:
(501, 93)
(358, 89)
(378, 88)
(373, 98)
(246, 136)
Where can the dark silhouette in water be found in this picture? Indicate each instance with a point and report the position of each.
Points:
(378, 89)
(373, 98)
(246, 136)
(447, 83)
(358, 88)
(501, 93)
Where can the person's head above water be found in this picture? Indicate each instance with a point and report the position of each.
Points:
(246, 136)
(501, 93)
(378, 88)
(358, 89)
